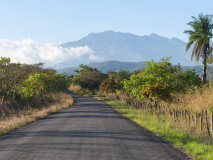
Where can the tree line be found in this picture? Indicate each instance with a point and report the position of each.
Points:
(157, 81)
(23, 84)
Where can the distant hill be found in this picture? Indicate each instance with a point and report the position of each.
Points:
(123, 47)
(107, 66)
(116, 66)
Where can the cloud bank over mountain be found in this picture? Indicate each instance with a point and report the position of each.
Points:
(127, 47)
(30, 51)
(96, 47)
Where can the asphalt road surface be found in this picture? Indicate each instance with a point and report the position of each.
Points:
(88, 130)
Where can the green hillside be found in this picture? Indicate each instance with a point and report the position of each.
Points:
(116, 66)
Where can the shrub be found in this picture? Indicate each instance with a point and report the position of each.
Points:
(158, 80)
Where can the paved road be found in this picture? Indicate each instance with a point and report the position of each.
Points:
(88, 130)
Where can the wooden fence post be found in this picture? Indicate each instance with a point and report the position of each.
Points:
(189, 116)
(201, 121)
(185, 114)
(165, 111)
(192, 115)
(207, 126)
(173, 113)
(181, 115)
(211, 121)
(195, 118)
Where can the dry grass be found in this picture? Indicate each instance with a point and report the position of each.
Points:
(74, 88)
(197, 100)
(32, 115)
(200, 99)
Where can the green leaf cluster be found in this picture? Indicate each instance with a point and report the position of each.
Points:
(23, 81)
(88, 78)
(108, 85)
(200, 38)
(42, 83)
(159, 80)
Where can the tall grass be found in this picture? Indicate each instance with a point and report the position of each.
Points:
(197, 100)
(29, 114)
(74, 88)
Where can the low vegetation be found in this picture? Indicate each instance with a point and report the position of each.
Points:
(88, 78)
(29, 92)
(159, 80)
(32, 114)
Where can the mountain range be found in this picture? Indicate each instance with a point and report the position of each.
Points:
(127, 47)
(116, 66)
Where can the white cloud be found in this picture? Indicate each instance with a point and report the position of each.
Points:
(93, 57)
(30, 51)
(78, 51)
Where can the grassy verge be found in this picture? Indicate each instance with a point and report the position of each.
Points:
(167, 129)
(31, 115)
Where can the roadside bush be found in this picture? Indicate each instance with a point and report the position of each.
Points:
(88, 78)
(23, 85)
(158, 80)
(108, 86)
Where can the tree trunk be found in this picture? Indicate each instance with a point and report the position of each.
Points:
(204, 69)
(14, 93)
(2, 100)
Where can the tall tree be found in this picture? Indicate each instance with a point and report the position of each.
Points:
(88, 77)
(199, 37)
(11, 75)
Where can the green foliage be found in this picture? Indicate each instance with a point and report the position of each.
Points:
(34, 85)
(11, 77)
(119, 77)
(158, 91)
(199, 38)
(159, 80)
(5, 76)
(42, 83)
(22, 81)
(88, 78)
(108, 85)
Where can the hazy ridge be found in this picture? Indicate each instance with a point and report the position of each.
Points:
(127, 47)
(116, 66)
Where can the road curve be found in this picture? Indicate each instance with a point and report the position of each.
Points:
(88, 130)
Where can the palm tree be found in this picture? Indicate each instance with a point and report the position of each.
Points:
(199, 37)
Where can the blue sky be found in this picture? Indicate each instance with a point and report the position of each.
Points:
(57, 21)
(30, 30)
